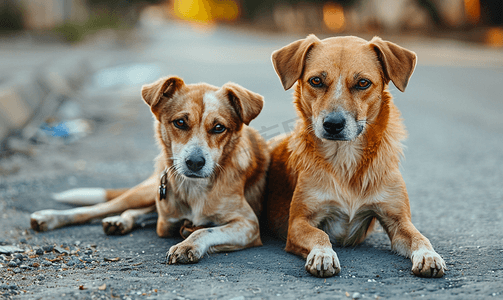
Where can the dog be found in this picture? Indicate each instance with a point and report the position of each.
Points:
(210, 175)
(337, 173)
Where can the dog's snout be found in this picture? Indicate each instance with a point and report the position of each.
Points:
(334, 123)
(195, 163)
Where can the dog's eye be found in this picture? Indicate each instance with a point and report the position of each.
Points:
(363, 84)
(315, 82)
(219, 128)
(180, 124)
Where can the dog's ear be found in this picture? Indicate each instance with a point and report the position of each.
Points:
(398, 63)
(163, 88)
(289, 60)
(247, 104)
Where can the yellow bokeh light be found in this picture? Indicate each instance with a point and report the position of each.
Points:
(494, 37)
(206, 11)
(227, 10)
(193, 10)
(333, 16)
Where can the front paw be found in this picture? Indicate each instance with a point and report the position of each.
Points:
(183, 253)
(427, 263)
(117, 225)
(323, 262)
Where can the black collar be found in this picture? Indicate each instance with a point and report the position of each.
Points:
(162, 186)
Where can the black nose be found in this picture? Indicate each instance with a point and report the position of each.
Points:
(334, 123)
(195, 163)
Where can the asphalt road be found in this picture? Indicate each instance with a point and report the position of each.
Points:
(452, 109)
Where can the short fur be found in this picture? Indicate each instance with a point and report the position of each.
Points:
(216, 205)
(326, 187)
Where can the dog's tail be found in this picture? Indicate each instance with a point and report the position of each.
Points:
(88, 196)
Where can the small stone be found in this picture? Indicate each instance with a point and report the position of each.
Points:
(39, 251)
(4, 287)
(23, 241)
(48, 248)
(12, 264)
(10, 250)
(40, 278)
(18, 256)
(88, 252)
(24, 267)
(61, 250)
(70, 263)
(111, 259)
(46, 263)
(35, 264)
(356, 295)
(17, 270)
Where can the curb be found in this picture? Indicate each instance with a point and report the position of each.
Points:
(27, 98)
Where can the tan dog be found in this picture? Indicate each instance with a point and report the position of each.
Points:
(338, 171)
(210, 174)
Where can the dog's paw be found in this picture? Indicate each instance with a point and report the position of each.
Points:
(44, 220)
(427, 263)
(183, 253)
(323, 262)
(116, 225)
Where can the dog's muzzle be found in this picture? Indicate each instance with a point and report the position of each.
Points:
(340, 126)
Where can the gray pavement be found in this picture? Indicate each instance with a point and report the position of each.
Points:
(452, 109)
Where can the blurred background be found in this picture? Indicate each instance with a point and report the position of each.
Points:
(73, 20)
(67, 67)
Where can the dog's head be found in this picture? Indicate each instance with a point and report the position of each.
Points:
(341, 80)
(199, 124)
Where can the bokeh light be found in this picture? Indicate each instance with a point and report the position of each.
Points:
(333, 17)
(206, 11)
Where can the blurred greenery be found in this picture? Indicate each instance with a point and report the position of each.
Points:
(11, 16)
(105, 14)
(104, 19)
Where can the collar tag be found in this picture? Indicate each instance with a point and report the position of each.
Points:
(162, 187)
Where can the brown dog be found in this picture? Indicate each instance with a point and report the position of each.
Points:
(210, 174)
(338, 171)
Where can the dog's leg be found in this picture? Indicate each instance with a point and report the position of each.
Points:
(313, 244)
(409, 242)
(126, 221)
(143, 195)
(239, 233)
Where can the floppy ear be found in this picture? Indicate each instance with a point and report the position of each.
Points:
(398, 63)
(247, 104)
(289, 60)
(163, 88)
